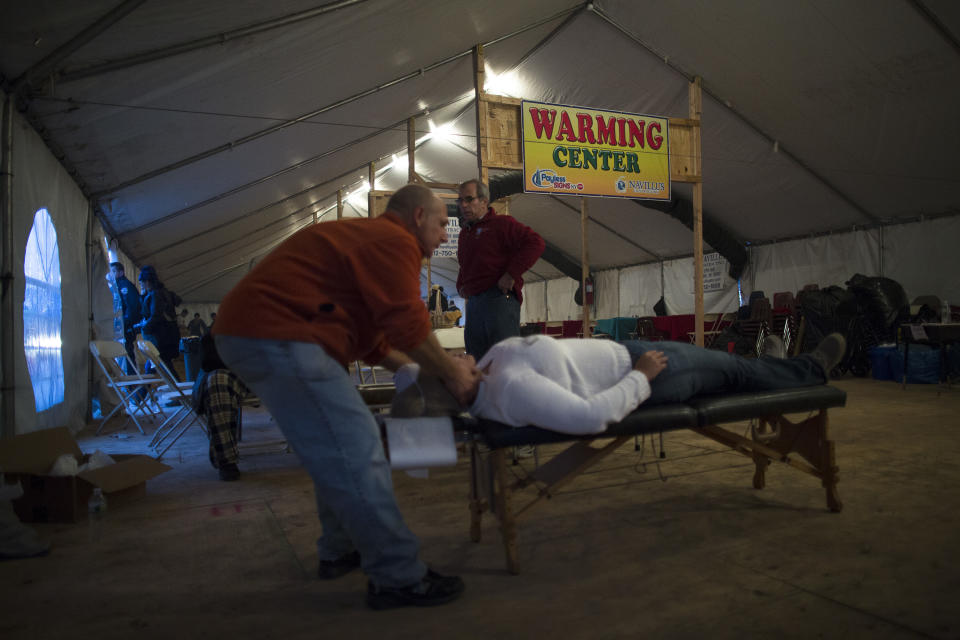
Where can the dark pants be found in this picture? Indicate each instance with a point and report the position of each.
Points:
(491, 317)
(129, 340)
(693, 371)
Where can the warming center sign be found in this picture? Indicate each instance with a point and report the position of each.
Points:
(586, 152)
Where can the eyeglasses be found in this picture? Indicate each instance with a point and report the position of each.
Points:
(467, 199)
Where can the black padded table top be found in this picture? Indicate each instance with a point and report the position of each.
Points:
(743, 406)
(694, 413)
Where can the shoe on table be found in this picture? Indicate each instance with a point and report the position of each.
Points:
(330, 569)
(229, 472)
(773, 346)
(830, 352)
(433, 589)
(523, 451)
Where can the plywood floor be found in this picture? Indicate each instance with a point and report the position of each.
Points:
(681, 549)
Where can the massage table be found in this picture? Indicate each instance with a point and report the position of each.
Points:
(803, 445)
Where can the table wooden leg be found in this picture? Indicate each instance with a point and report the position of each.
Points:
(508, 525)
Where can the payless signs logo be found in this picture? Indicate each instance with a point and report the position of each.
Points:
(575, 150)
(548, 179)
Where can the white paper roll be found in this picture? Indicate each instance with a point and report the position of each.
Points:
(417, 443)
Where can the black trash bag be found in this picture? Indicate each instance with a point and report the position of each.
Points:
(825, 311)
(742, 345)
(882, 301)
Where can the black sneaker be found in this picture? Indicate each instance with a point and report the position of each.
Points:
(330, 569)
(229, 472)
(830, 352)
(432, 590)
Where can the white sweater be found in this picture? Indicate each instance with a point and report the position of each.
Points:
(571, 386)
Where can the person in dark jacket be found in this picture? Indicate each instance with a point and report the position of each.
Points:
(159, 309)
(129, 298)
(494, 251)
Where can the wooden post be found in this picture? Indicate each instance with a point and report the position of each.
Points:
(584, 267)
(696, 111)
(339, 204)
(481, 110)
(429, 281)
(373, 179)
(315, 218)
(411, 146)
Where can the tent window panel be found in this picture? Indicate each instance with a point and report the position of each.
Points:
(43, 312)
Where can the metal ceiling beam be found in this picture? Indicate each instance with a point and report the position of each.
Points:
(48, 64)
(689, 77)
(339, 103)
(76, 73)
(364, 166)
(262, 179)
(937, 24)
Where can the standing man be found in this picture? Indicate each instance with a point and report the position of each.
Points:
(130, 307)
(330, 294)
(494, 252)
(197, 327)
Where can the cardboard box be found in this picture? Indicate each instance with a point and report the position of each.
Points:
(46, 498)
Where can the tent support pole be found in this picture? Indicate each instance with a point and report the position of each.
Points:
(7, 307)
(372, 179)
(584, 266)
(696, 109)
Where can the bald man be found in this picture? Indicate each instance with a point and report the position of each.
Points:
(330, 294)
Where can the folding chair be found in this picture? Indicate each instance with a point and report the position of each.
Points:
(175, 391)
(108, 355)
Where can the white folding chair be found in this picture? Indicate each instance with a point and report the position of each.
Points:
(184, 416)
(108, 355)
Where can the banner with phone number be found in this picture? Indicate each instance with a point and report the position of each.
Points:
(588, 152)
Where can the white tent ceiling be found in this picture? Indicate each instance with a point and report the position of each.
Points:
(207, 132)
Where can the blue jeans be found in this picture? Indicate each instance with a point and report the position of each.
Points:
(492, 316)
(693, 371)
(323, 417)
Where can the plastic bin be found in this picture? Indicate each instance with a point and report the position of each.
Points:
(190, 348)
(881, 367)
(924, 365)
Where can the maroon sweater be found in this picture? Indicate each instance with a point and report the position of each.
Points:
(493, 246)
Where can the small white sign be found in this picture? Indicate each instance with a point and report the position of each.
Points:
(449, 248)
(917, 332)
(714, 268)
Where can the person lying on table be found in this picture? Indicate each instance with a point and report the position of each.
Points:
(579, 386)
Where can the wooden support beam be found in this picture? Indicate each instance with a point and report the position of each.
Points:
(370, 198)
(584, 266)
(411, 148)
(481, 110)
(696, 111)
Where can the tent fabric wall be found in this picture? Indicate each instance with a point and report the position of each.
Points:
(678, 290)
(560, 304)
(640, 289)
(825, 260)
(534, 308)
(924, 257)
(39, 181)
(607, 294)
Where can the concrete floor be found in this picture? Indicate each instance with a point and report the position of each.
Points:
(684, 549)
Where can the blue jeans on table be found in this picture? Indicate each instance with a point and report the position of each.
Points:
(492, 316)
(329, 426)
(694, 371)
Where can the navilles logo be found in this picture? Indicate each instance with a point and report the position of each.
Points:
(621, 184)
(544, 177)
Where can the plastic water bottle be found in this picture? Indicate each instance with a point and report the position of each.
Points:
(945, 312)
(96, 509)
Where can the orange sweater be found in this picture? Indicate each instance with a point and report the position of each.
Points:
(352, 286)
